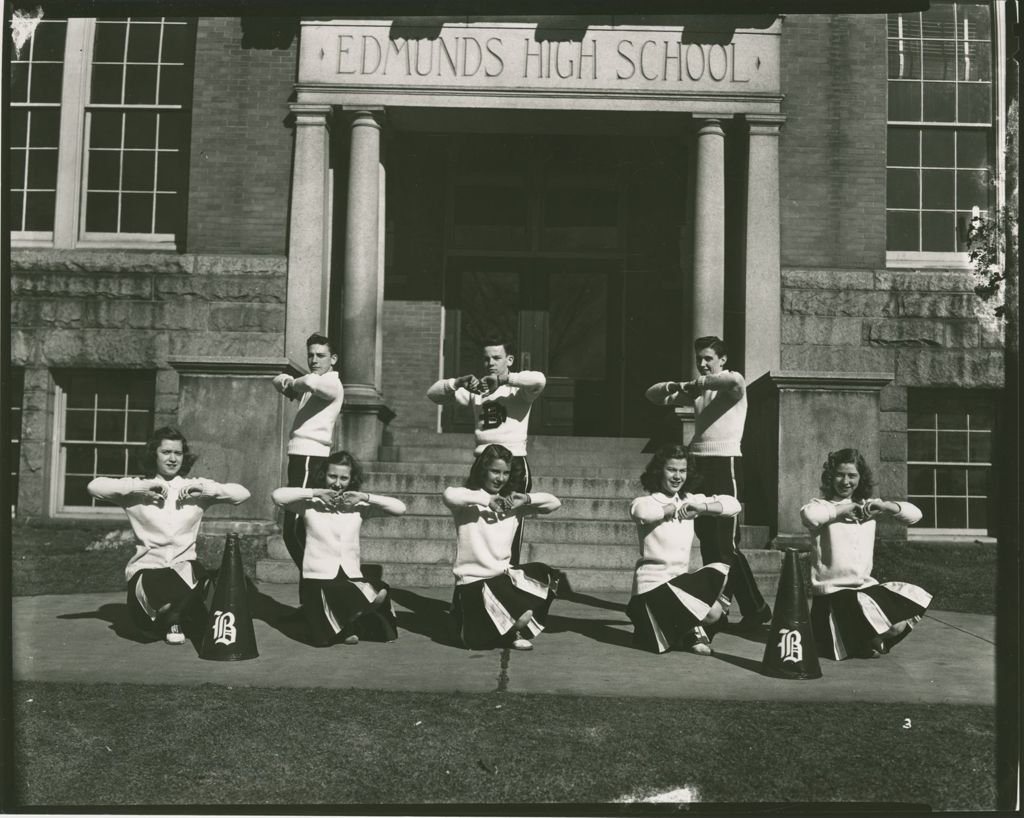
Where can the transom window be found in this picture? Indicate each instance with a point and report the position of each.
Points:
(104, 419)
(949, 447)
(940, 155)
(101, 132)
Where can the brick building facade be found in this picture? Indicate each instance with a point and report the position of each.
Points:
(581, 188)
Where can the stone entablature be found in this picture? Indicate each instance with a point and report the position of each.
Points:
(543, 64)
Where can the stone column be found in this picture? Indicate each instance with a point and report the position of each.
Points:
(309, 244)
(709, 231)
(763, 290)
(364, 412)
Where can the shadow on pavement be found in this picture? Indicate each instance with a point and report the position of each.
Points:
(587, 599)
(599, 630)
(738, 661)
(120, 620)
(285, 619)
(426, 616)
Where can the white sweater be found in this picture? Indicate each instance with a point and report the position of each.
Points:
(166, 532)
(313, 428)
(501, 417)
(665, 544)
(843, 552)
(332, 537)
(720, 412)
(485, 539)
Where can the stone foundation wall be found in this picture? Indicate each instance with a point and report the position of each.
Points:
(131, 310)
(924, 326)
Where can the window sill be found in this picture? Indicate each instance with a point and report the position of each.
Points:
(927, 261)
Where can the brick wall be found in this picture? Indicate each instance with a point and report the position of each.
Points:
(412, 343)
(132, 310)
(241, 148)
(832, 147)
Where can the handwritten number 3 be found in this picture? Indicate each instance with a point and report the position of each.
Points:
(906, 724)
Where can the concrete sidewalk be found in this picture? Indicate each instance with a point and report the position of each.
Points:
(949, 658)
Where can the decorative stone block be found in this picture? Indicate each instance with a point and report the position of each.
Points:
(101, 261)
(227, 344)
(893, 446)
(836, 359)
(800, 329)
(966, 369)
(925, 281)
(241, 265)
(893, 398)
(60, 285)
(221, 288)
(239, 317)
(892, 421)
(922, 332)
(830, 302)
(829, 280)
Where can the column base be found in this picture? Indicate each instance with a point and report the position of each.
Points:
(364, 415)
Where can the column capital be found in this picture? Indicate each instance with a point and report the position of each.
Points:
(307, 113)
(365, 115)
(710, 123)
(765, 124)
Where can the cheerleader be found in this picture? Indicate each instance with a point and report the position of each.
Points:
(338, 603)
(165, 579)
(852, 613)
(494, 602)
(669, 606)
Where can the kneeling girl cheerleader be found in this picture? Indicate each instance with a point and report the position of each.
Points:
(670, 606)
(338, 603)
(165, 579)
(495, 603)
(852, 614)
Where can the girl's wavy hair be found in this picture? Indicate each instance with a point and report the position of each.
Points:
(483, 460)
(342, 458)
(830, 468)
(147, 457)
(651, 478)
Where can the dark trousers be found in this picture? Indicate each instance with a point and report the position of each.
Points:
(159, 597)
(302, 473)
(720, 536)
(521, 481)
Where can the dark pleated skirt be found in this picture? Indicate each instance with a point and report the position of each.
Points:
(844, 622)
(151, 588)
(485, 611)
(337, 608)
(665, 616)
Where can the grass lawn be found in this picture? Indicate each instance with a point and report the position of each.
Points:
(49, 558)
(125, 745)
(959, 577)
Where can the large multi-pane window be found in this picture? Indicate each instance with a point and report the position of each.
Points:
(37, 79)
(101, 135)
(104, 419)
(940, 155)
(949, 453)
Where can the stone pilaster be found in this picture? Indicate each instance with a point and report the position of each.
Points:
(763, 283)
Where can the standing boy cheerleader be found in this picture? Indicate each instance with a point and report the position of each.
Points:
(501, 402)
(669, 606)
(496, 602)
(852, 613)
(338, 603)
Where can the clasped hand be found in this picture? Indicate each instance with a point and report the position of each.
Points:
(340, 500)
(504, 506)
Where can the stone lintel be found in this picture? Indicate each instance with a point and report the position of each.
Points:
(822, 381)
(243, 367)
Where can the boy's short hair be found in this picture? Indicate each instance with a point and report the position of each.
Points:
(711, 342)
(316, 339)
(505, 341)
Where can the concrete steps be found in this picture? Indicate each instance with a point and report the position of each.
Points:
(591, 537)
